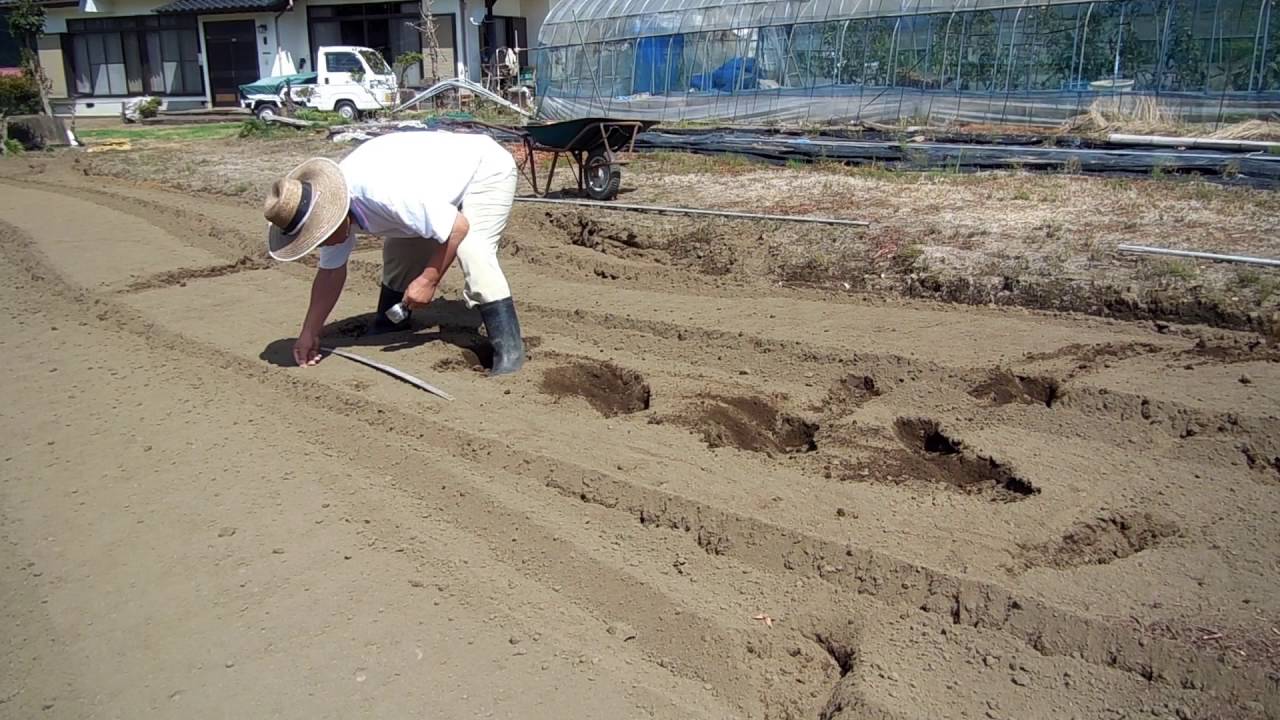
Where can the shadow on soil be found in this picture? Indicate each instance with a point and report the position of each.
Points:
(447, 321)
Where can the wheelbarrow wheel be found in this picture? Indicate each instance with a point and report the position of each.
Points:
(603, 178)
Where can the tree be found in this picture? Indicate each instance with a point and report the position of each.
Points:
(26, 24)
(405, 61)
(427, 26)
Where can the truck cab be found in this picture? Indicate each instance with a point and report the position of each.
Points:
(351, 80)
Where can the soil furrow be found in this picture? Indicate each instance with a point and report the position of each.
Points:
(1044, 628)
(889, 497)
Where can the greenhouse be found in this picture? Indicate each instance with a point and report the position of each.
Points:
(817, 61)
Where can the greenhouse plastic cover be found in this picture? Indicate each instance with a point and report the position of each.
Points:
(572, 22)
(822, 61)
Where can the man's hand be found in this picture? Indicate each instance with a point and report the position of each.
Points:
(306, 350)
(420, 292)
(423, 288)
(325, 290)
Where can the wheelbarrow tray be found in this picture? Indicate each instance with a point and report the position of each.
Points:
(590, 143)
(585, 134)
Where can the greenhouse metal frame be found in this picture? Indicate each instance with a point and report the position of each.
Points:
(816, 61)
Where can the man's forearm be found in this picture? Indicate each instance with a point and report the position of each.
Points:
(325, 290)
(441, 262)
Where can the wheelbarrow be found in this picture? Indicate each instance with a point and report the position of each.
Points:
(592, 143)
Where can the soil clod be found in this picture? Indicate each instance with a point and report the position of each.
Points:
(610, 389)
(1101, 541)
(852, 391)
(750, 423)
(1003, 387)
(1257, 460)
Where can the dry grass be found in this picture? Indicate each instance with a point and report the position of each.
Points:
(1250, 130)
(1140, 116)
(983, 227)
(1145, 116)
(231, 166)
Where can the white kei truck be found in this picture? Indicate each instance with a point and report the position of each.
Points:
(349, 80)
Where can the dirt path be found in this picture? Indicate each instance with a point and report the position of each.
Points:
(942, 512)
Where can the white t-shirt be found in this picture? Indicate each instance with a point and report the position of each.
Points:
(410, 184)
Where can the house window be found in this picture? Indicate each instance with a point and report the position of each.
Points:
(389, 28)
(147, 54)
(10, 55)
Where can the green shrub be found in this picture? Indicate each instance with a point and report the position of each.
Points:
(256, 128)
(150, 108)
(19, 95)
(319, 116)
(13, 147)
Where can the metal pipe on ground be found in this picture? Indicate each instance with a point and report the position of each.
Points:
(1146, 250)
(696, 211)
(1192, 142)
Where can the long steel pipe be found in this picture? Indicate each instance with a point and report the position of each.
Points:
(695, 211)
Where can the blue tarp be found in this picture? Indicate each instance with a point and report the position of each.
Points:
(740, 73)
(658, 61)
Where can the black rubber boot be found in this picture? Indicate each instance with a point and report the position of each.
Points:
(503, 328)
(381, 323)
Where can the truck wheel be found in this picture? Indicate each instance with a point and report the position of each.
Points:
(346, 110)
(265, 111)
(603, 177)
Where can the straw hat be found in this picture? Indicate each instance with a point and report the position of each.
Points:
(304, 208)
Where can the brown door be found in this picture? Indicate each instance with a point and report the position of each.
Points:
(233, 58)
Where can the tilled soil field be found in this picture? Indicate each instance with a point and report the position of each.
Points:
(1027, 239)
(704, 496)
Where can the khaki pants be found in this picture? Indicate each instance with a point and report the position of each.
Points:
(486, 206)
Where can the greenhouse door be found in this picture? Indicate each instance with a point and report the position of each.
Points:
(233, 58)
(658, 61)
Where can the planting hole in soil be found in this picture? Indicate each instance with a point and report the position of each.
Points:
(467, 359)
(938, 457)
(1003, 388)
(841, 645)
(610, 389)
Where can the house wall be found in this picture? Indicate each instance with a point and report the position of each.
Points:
(49, 48)
(56, 23)
(535, 11)
(56, 18)
(295, 38)
(460, 25)
(288, 30)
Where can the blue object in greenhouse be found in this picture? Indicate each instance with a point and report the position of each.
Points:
(737, 74)
(658, 61)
